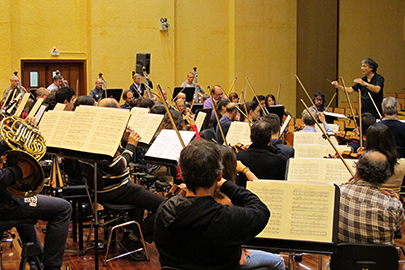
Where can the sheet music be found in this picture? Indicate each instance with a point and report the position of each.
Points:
(39, 114)
(298, 211)
(317, 151)
(96, 130)
(338, 115)
(311, 138)
(35, 107)
(285, 125)
(320, 170)
(59, 107)
(199, 121)
(138, 111)
(334, 127)
(53, 126)
(239, 132)
(167, 144)
(146, 125)
(21, 106)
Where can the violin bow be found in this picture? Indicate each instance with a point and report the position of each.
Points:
(348, 100)
(375, 106)
(230, 89)
(360, 122)
(327, 137)
(216, 116)
(305, 90)
(254, 93)
(278, 93)
(171, 117)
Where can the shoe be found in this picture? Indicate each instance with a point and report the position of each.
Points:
(130, 243)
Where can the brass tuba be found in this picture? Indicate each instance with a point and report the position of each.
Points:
(28, 145)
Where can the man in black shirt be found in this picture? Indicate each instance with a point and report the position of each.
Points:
(371, 84)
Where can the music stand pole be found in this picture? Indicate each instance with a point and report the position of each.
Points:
(95, 219)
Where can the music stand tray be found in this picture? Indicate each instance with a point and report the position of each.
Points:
(196, 107)
(189, 91)
(114, 93)
(277, 109)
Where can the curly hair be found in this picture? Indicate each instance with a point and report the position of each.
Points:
(373, 167)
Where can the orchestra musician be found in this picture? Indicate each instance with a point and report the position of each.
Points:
(253, 111)
(118, 189)
(98, 92)
(15, 85)
(138, 88)
(216, 93)
(262, 100)
(372, 217)
(270, 100)
(310, 122)
(55, 211)
(225, 121)
(190, 83)
(146, 103)
(274, 122)
(388, 148)
(66, 95)
(319, 100)
(372, 83)
(199, 217)
(41, 92)
(56, 84)
(233, 97)
(390, 110)
(128, 97)
(263, 159)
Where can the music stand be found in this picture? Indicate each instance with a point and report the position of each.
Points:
(114, 93)
(196, 107)
(277, 109)
(189, 91)
(34, 91)
(207, 117)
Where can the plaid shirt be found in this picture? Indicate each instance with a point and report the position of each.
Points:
(367, 215)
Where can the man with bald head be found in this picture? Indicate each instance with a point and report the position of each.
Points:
(98, 92)
(366, 214)
(15, 85)
(109, 102)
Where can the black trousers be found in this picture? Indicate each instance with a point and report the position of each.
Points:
(137, 195)
(57, 212)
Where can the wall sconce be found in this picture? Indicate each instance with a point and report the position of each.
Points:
(164, 25)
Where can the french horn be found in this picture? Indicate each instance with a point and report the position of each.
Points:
(27, 145)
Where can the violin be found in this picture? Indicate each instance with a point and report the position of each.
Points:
(344, 139)
(239, 147)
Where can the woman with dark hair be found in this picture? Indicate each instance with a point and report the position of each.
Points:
(253, 110)
(233, 97)
(84, 100)
(270, 100)
(380, 138)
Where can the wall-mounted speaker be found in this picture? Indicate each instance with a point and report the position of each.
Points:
(142, 60)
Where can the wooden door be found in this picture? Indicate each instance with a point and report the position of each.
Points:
(39, 73)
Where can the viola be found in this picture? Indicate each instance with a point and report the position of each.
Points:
(344, 139)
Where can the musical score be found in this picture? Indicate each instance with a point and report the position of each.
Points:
(299, 211)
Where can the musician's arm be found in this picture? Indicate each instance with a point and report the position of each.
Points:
(249, 214)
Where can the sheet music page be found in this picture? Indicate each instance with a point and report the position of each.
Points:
(285, 125)
(21, 106)
(167, 144)
(317, 151)
(199, 121)
(53, 127)
(318, 170)
(137, 111)
(37, 105)
(39, 114)
(239, 132)
(146, 125)
(299, 211)
(309, 138)
(59, 107)
(96, 130)
(334, 127)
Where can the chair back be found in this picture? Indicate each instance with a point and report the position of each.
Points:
(353, 256)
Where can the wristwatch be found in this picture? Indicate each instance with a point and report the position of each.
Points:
(366, 84)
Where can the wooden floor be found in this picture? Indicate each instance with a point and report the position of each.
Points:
(11, 257)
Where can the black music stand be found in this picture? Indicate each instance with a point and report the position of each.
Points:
(298, 246)
(189, 91)
(114, 93)
(207, 117)
(277, 109)
(91, 158)
(196, 107)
